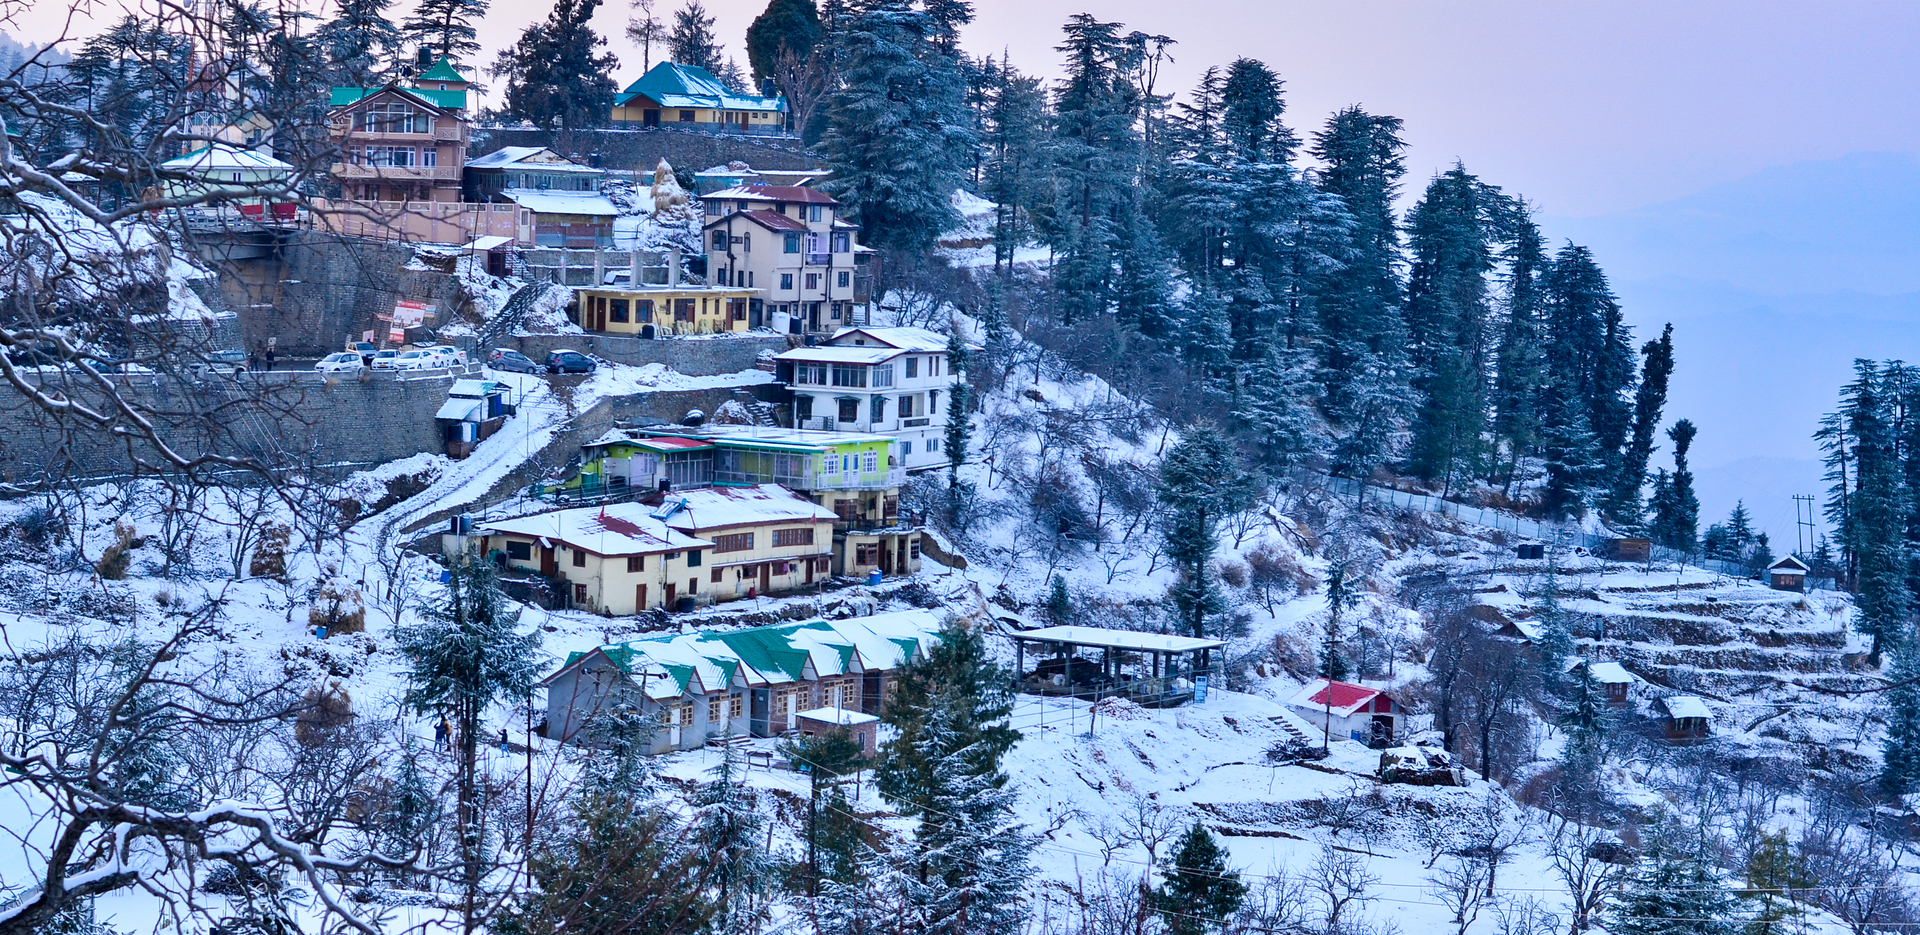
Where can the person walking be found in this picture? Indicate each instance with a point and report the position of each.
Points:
(270, 356)
(442, 733)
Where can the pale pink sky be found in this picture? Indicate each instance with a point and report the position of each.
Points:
(1584, 107)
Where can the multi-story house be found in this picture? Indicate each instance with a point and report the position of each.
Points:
(766, 539)
(616, 559)
(791, 245)
(691, 98)
(402, 142)
(758, 681)
(886, 381)
(526, 168)
(857, 476)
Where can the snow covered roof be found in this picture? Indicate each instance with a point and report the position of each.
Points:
(1790, 565)
(1686, 706)
(625, 437)
(906, 339)
(1133, 640)
(221, 156)
(671, 84)
(1341, 698)
(767, 435)
(795, 193)
(771, 220)
(840, 355)
(507, 156)
(1529, 629)
(458, 409)
(588, 203)
(720, 507)
(615, 529)
(772, 655)
(474, 389)
(483, 244)
(840, 716)
(1609, 673)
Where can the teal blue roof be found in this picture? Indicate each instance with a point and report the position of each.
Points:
(445, 100)
(671, 84)
(442, 70)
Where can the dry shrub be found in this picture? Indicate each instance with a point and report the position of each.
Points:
(1234, 573)
(1271, 568)
(114, 561)
(337, 605)
(324, 711)
(269, 559)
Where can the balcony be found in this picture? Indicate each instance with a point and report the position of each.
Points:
(819, 259)
(878, 480)
(356, 172)
(915, 423)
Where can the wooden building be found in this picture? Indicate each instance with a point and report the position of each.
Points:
(1688, 719)
(1788, 574)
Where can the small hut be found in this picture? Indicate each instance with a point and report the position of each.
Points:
(1612, 677)
(1688, 720)
(821, 721)
(474, 410)
(1343, 709)
(1630, 550)
(1788, 574)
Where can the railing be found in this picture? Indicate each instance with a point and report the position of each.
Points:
(350, 170)
(853, 480)
(819, 259)
(864, 524)
(914, 423)
(751, 477)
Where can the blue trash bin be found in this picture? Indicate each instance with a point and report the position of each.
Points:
(873, 577)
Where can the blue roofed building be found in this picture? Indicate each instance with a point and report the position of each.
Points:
(690, 97)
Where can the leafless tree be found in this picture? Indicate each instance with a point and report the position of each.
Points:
(1460, 883)
(1591, 863)
(1152, 824)
(1338, 879)
(806, 80)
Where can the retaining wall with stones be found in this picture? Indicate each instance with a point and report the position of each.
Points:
(695, 356)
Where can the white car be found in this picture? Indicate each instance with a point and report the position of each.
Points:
(417, 359)
(459, 356)
(385, 359)
(343, 362)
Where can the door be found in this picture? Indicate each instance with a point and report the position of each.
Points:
(639, 598)
(810, 562)
(650, 117)
(682, 309)
(548, 565)
(757, 714)
(870, 693)
(766, 577)
(670, 597)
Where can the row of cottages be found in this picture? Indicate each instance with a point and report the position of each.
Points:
(691, 98)
(696, 547)
(758, 682)
(854, 476)
(885, 381)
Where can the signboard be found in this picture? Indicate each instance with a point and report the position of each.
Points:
(1200, 689)
(409, 314)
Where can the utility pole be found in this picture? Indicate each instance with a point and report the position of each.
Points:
(1803, 528)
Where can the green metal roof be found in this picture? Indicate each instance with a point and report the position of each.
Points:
(447, 100)
(442, 70)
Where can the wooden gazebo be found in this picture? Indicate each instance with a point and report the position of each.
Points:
(1152, 669)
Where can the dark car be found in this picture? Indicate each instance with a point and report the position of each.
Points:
(501, 358)
(570, 362)
(366, 350)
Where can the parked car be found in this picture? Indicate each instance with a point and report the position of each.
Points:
(384, 359)
(223, 361)
(566, 361)
(419, 358)
(459, 356)
(510, 360)
(343, 362)
(366, 350)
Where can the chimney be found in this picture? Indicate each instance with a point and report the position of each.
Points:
(673, 266)
(423, 60)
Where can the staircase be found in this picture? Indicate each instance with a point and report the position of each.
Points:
(510, 314)
(763, 414)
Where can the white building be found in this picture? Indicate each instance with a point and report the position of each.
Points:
(885, 381)
(789, 243)
(1346, 711)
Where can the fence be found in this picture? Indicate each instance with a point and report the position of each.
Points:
(1562, 533)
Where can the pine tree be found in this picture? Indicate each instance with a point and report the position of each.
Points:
(1201, 484)
(463, 656)
(360, 42)
(1359, 302)
(1012, 136)
(1199, 893)
(785, 27)
(446, 27)
(1095, 154)
(1676, 511)
(727, 834)
(1276, 409)
(1575, 467)
(1589, 351)
(1059, 604)
(1714, 544)
(1900, 752)
(1762, 554)
(557, 79)
(1520, 366)
(829, 757)
(1649, 400)
(1739, 531)
(897, 128)
(691, 40)
(615, 869)
(1556, 640)
(1773, 873)
(1674, 894)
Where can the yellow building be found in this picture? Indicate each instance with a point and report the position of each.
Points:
(617, 559)
(663, 310)
(691, 98)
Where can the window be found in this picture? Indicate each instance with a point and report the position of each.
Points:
(846, 509)
(849, 410)
(713, 710)
(645, 307)
(813, 280)
(733, 542)
(786, 281)
(866, 553)
(842, 242)
(686, 116)
(873, 460)
(810, 374)
(913, 369)
(746, 242)
(883, 375)
(849, 375)
(693, 558)
(693, 586)
(735, 706)
(879, 408)
(684, 714)
(906, 448)
(846, 279)
(580, 594)
(717, 572)
(713, 208)
(913, 548)
(933, 444)
(636, 563)
(787, 538)
(803, 408)
(619, 310)
(579, 558)
(520, 551)
(906, 407)
(813, 212)
(719, 240)
(429, 156)
(791, 243)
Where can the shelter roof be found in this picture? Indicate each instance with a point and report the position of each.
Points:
(720, 507)
(1686, 706)
(1132, 640)
(1341, 698)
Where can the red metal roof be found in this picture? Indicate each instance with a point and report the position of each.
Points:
(1345, 695)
